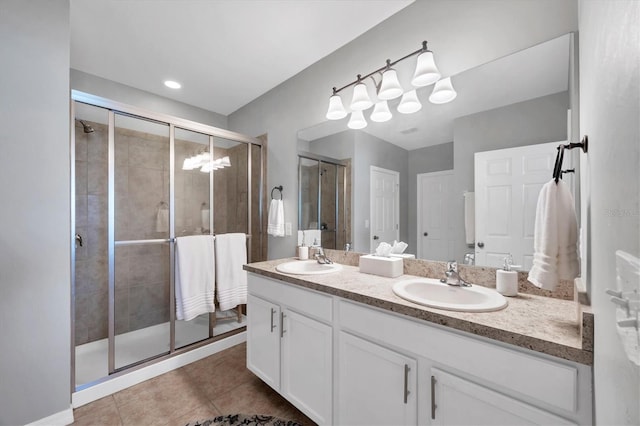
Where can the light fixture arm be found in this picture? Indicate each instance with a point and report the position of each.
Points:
(388, 65)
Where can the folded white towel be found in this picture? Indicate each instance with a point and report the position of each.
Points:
(162, 219)
(470, 217)
(275, 224)
(555, 237)
(195, 276)
(231, 255)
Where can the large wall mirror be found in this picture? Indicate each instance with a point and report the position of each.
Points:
(503, 127)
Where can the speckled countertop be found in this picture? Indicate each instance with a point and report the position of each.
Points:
(543, 324)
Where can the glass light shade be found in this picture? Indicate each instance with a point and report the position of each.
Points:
(357, 120)
(381, 112)
(225, 162)
(360, 100)
(409, 103)
(390, 87)
(443, 92)
(188, 164)
(336, 110)
(426, 71)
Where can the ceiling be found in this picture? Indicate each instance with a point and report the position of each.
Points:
(225, 53)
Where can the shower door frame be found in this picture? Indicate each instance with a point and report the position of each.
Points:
(323, 159)
(113, 108)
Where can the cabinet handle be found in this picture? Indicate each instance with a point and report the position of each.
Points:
(273, 311)
(282, 317)
(406, 382)
(433, 398)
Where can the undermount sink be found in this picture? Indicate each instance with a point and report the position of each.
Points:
(307, 267)
(431, 292)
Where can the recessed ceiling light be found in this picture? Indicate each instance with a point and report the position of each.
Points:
(172, 84)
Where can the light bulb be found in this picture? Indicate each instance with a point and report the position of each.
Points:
(336, 110)
(381, 112)
(409, 103)
(426, 71)
(360, 100)
(357, 121)
(443, 92)
(390, 87)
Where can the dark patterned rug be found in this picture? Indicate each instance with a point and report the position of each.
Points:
(244, 419)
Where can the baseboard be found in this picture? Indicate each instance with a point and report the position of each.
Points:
(62, 418)
(117, 384)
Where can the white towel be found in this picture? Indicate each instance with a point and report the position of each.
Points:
(275, 224)
(162, 219)
(470, 217)
(195, 276)
(555, 243)
(231, 255)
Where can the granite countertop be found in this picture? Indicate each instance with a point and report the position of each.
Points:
(543, 324)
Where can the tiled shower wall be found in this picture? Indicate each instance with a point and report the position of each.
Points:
(142, 184)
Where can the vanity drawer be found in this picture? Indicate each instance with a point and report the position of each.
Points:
(298, 299)
(549, 382)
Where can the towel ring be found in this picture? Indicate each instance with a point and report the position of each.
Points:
(279, 188)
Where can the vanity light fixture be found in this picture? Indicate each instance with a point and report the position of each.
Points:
(389, 87)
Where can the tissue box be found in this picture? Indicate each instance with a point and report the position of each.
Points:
(403, 255)
(384, 266)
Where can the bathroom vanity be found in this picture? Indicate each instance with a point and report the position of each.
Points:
(345, 350)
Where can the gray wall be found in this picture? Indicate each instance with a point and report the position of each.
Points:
(435, 158)
(526, 123)
(609, 111)
(35, 238)
(114, 91)
(372, 151)
(300, 102)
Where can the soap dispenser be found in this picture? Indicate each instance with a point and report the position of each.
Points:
(303, 250)
(506, 279)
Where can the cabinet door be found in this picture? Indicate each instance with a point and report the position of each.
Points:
(263, 340)
(376, 386)
(456, 401)
(307, 365)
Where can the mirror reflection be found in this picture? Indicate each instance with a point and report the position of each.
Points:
(468, 172)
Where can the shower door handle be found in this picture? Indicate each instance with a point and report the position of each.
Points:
(78, 239)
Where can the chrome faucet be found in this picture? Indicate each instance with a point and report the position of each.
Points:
(321, 257)
(453, 277)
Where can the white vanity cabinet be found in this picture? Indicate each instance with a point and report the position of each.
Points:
(347, 363)
(456, 401)
(290, 344)
(375, 386)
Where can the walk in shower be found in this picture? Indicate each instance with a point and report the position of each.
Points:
(324, 196)
(136, 190)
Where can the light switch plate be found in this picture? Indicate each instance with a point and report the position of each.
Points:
(287, 228)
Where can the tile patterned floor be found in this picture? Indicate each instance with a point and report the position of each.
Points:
(218, 384)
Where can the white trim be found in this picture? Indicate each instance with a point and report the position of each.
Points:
(117, 384)
(61, 418)
(419, 254)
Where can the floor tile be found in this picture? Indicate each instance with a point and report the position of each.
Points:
(217, 385)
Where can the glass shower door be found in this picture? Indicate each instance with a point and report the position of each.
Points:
(139, 173)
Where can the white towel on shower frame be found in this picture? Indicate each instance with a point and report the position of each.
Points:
(195, 276)
(231, 279)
